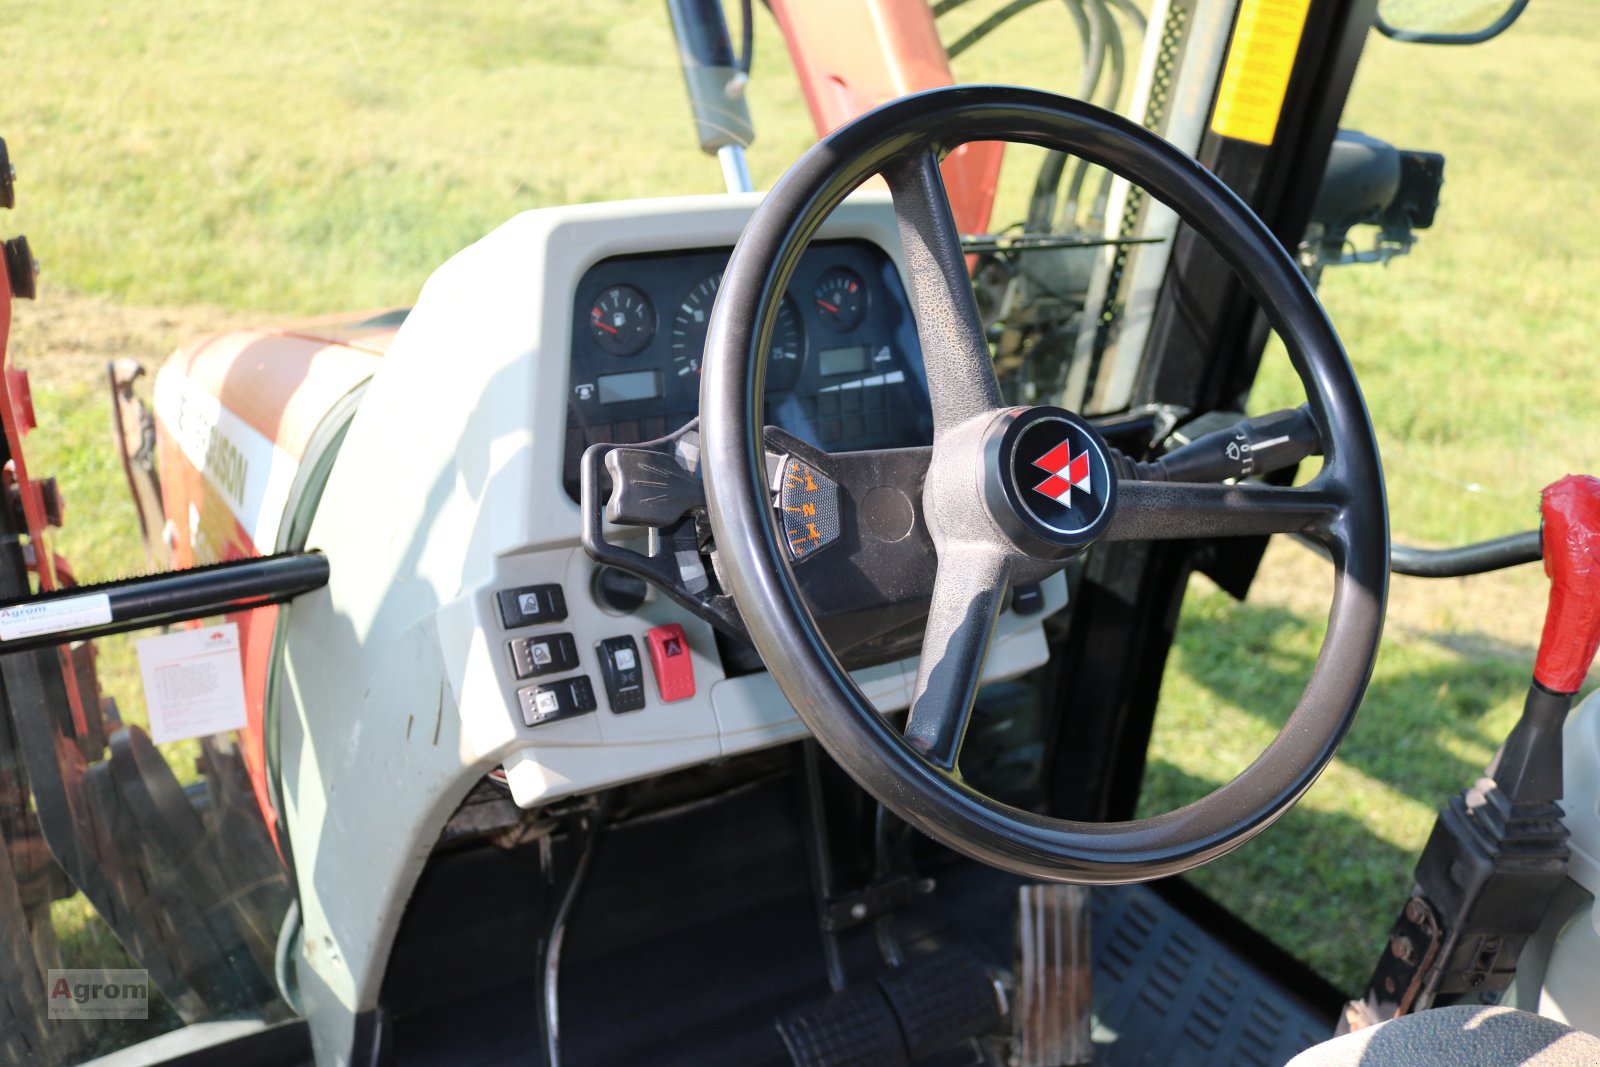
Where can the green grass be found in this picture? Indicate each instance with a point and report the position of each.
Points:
(302, 157)
(1477, 351)
(294, 158)
(1326, 880)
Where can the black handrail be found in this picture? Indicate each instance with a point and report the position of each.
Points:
(177, 596)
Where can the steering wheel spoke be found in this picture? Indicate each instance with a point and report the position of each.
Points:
(961, 380)
(968, 593)
(1166, 511)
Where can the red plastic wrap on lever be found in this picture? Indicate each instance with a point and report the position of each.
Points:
(1571, 510)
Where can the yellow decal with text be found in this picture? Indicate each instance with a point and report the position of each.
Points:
(1266, 37)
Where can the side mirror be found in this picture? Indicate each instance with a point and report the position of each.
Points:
(1447, 21)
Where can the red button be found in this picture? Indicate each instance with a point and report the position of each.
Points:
(669, 657)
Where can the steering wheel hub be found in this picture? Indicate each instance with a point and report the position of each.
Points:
(1048, 481)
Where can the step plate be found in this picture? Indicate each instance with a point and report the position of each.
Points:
(1165, 992)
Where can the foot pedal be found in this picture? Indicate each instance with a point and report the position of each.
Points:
(1051, 1010)
(907, 1015)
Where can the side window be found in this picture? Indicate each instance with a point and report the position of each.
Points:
(1474, 350)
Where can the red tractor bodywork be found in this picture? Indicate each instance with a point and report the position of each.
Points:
(852, 55)
(235, 414)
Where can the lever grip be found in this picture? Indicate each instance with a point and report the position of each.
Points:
(1571, 511)
(649, 488)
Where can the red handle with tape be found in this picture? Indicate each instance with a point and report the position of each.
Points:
(1571, 510)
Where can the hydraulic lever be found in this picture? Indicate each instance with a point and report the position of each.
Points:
(715, 80)
(1498, 853)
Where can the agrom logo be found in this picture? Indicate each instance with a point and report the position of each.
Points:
(97, 993)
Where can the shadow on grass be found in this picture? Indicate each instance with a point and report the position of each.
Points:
(1258, 658)
(1320, 884)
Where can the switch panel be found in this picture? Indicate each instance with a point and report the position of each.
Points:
(556, 700)
(623, 673)
(545, 654)
(669, 656)
(532, 604)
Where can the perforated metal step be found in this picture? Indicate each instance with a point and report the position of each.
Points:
(1167, 993)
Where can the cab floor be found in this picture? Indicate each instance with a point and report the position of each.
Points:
(696, 932)
(1165, 992)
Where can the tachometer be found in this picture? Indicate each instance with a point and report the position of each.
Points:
(689, 323)
(622, 320)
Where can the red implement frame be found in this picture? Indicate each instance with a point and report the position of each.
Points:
(852, 55)
(16, 413)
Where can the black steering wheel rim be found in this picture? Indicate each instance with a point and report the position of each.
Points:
(758, 573)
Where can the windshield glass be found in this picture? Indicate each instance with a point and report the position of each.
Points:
(285, 161)
(189, 172)
(139, 886)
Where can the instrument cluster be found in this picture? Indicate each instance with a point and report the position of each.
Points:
(844, 370)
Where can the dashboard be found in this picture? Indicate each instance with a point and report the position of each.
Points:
(844, 370)
(463, 627)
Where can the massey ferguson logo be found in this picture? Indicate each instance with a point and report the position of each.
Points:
(1073, 505)
(1067, 472)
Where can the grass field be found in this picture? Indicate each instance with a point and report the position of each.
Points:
(183, 167)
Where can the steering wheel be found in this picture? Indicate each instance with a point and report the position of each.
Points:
(993, 520)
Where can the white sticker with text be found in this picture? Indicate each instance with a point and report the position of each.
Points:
(54, 616)
(193, 682)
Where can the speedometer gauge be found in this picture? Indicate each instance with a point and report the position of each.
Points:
(693, 316)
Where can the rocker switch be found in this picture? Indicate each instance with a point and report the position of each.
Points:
(670, 659)
(556, 700)
(531, 605)
(623, 673)
(545, 654)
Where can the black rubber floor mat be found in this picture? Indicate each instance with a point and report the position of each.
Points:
(696, 931)
(1167, 993)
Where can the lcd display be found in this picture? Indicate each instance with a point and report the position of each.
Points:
(849, 360)
(634, 385)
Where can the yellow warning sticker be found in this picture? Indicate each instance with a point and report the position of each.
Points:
(1266, 37)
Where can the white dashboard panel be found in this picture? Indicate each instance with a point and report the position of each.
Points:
(398, 693)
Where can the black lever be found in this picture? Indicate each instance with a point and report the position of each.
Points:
(654, 486)
(649, 488)
(1254, 446)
